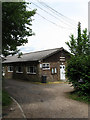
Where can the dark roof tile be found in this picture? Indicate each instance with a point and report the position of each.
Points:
(32, 56)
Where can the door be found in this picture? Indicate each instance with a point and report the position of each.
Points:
(62, 72)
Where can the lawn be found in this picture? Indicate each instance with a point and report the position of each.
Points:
(74, 95)
(6, 100)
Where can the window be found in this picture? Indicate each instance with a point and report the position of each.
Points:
(3, 71)
(19, 69)
(10, 68)
(54, 70)
(40, 65)
(31, 69)
(46, 66)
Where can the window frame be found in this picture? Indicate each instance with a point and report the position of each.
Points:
(9, 68)
(34, 68)
(53, 70)
(3, 71)
(46, 68)
(17, 69)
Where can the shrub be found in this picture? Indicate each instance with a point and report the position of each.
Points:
(78, 72)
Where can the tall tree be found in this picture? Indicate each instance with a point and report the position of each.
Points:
(16, 22)
(81, 44)
(77, 69)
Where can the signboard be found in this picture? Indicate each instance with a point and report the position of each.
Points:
(62, 59)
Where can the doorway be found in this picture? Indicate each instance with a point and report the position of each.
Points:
(62, 72)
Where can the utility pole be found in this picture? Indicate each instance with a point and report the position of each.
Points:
(89, 40)
(89, 19)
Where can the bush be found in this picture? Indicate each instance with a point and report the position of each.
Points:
(76, 96)
(78, 72)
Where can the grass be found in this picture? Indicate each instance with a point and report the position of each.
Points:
(74, 95)
(56, 82)
(6, 100)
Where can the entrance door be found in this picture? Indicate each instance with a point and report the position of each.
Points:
(62, 72)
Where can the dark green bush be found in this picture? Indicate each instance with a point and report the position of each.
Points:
(78, 72)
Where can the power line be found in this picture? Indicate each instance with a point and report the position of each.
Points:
(50, 21)
(54, 11)
(49, 13)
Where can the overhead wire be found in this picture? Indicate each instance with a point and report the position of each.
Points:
(56, 12)
(51, 14)
(48, 19)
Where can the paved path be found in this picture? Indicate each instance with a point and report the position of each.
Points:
(46, 101)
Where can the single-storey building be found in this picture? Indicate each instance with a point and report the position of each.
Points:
(34, 66)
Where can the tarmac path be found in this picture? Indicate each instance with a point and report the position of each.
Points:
(45, 100)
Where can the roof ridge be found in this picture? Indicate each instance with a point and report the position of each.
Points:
(34, 56)
(43, 50)
(36, 52)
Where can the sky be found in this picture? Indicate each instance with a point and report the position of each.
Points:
(54, 24)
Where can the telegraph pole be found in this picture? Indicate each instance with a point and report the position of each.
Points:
(89, 19)
(89, 40)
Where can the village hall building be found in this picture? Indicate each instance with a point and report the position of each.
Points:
(37, 66)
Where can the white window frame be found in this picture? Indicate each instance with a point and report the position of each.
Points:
(55, 70)
(45, 65)
(17, 69)
(52, 70)
(3, 71)
(28, 72)
(9, 68)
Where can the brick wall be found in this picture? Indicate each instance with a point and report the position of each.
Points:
(7, 74)
(54, 61)
(48, 73)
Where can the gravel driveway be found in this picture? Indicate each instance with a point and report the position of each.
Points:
(46, 100)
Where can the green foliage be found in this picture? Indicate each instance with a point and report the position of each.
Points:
(16, 22)
(6, 100)
(76, 96)
(78, 67)
(78, 73)
(81, 44)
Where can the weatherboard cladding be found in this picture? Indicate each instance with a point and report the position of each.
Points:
(33, 56)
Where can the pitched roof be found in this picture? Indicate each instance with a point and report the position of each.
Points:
(32, 56)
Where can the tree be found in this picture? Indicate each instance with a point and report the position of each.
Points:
(80, 45)
(77, 69)
(16, 22)
(78, 73)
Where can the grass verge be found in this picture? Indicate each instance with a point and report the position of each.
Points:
(6, 100)
(74, 95)
(57, 82)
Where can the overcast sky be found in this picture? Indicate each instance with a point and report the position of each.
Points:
(52, 28)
